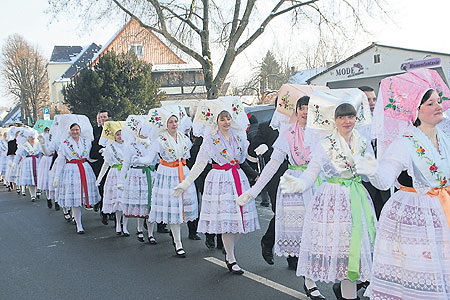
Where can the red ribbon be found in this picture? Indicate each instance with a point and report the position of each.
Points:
(34, 167)
(237, 181)
(84, 189)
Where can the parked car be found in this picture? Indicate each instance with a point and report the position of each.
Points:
(256, 115)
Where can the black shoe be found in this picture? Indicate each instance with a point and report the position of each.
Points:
(152, 240)
(104, 219)
(267, 253)
(162, 228)
(57, 207)
(80, 232)
(33, 199)
(38, 194)
(194, 236)
(292, 262)
(140, 236)
(67, 217)
(209, 242)
(362, 285)
(180, 253)
(49, 204)
(112, 217)
(96, 206)
(311, 290)
(230, 268)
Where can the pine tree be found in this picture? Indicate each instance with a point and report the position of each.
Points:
(271, 75)
(119, 83)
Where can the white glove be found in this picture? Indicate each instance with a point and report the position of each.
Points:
(41, 139)
(120, 186)
(366, 165)
(180, 188)
(55, 182)
(244, 199)
(137, 160)
(145, 142)
(98, 182)
(290, 184)
(101, 150)
(261, 149)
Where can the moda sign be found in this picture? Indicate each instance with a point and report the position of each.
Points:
(356, 69)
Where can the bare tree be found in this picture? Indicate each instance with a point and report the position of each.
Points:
(25, 74)
(198, 26)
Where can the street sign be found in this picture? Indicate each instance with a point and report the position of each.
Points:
(46, 111)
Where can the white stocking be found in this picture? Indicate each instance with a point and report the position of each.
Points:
(125, 225)
(348, 289)
(118, 219)
(140, 224)
(176, 233)
(32, 189)
(228, 240)
(151, 228)
(22, 189)
(76, 213)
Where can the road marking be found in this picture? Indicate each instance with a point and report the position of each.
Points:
(262, 280)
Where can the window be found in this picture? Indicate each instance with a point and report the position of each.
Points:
(376, 59)
(138, 49)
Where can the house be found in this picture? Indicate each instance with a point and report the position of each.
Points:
(302, 76)
(64, 63)
(179, 80)
(375, 62)
(13, 116)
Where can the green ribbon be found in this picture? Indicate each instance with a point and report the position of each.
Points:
(117, 166)
(358, 202)
(303, 168)
(147, 170)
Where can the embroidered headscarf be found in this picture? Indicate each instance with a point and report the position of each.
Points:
(287, 101)
(205, 120)
(133, 127)
(42, 124)
(63, 127)
(398, 101)
(109, 131)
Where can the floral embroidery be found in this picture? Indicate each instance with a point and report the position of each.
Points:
(284, 103)
(343, 158)
(238, 138)
(236, 108)
(224, 153)
(74, 153)
(133, 124)
(433, 169)
(207, 115)
(394, 101)
(116, 154)
(216, 141)
(155, 119)
(107, 132)
(138, 152)
(318, 117)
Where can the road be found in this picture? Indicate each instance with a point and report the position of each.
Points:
(43, 258)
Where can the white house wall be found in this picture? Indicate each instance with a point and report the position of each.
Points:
(361, 69)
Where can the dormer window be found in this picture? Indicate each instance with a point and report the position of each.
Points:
(138, 49)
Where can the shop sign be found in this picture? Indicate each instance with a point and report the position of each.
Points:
(356, 69)
(426, 63)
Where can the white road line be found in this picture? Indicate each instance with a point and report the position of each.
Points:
(262, 280)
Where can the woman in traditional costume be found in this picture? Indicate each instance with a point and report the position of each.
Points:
(136, 176)
(111, 139)
(3, 153)
(44, 165)
(339, 225)
(412, 248)
(11, 173)
(222, 124)
(28, 155)
(74, 177)
(172, 146)
(290, 208)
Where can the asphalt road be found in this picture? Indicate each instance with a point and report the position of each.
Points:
(42, 257)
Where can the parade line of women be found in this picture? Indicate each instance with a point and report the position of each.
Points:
(324, 214)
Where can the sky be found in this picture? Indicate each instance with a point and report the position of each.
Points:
(415, 24)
